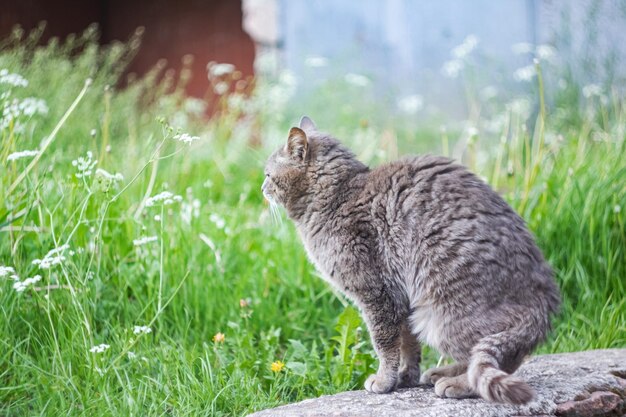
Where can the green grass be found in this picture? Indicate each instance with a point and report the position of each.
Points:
(229, 267)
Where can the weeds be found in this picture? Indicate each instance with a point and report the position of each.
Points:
(142, 274)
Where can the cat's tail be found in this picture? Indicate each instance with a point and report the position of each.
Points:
(493, 384)
(492, 361)
(495, 357)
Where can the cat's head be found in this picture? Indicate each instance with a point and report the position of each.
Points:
(286, 169)
(309, 170)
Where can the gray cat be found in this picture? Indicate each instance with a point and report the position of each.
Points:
(429, 253)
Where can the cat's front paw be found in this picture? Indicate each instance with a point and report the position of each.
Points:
(409, 377)
(380, 384)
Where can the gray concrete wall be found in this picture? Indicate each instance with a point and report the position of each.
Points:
(403, 46)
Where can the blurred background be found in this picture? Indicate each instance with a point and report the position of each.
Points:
(410, 52)
(141, 270)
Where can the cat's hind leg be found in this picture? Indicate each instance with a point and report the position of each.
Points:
(433, 375)
(410, 356)
(454, 387)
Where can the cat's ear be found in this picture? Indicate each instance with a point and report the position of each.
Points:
(307, 124)
(297, 144)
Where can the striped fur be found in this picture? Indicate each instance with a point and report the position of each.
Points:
(430, 253)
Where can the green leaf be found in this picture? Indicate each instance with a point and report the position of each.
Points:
(347, 323)
(298, 368)
(299, 350)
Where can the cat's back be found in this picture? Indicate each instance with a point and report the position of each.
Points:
(428, 186)
(437, 215)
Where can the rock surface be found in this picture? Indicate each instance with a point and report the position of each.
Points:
(581, 384)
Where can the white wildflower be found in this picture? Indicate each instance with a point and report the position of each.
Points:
(238, 102)
(30, 106)
(510, 170)
(465, 48)
(287, 79)
(144, 240)
(14, 80)
(591, 90)
(218, 70)
(20, 286)
(617, 209)
(54, 257)
(108, 176)
(195, 106)
(92, 133)
(525, 73)
(191, 210)
(357, 80)
(142, 330)
(520, 106)
(545, 52)
(471, 131)
(99, 348)
(277, 94)
(165, 198)
(131, 355)
(496, 123)
(453, 68)
(179, 118)
(6, 271)
(157, 218)
(185, 138)
(217, 220)
(84, 165)
(18, 108)
(316, 61)
(21, 154)
(411, 104)
(221, 88)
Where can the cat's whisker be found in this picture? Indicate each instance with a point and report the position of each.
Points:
(278, 219)
(272, 213)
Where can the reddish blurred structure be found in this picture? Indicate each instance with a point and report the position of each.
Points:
(210, 30)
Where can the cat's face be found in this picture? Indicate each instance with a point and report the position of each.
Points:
(310, 166)
(285, 170)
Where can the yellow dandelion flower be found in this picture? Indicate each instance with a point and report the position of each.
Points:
(277, 366)
(219, 337)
